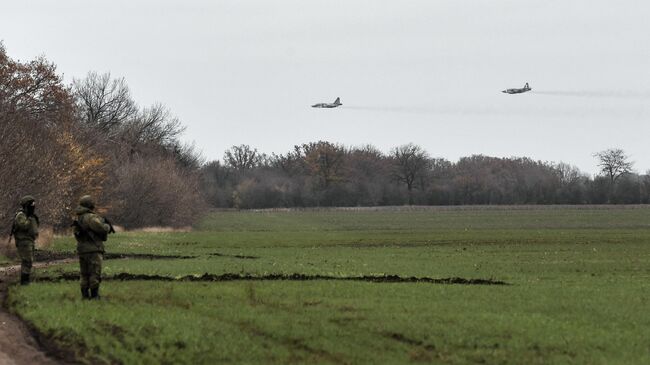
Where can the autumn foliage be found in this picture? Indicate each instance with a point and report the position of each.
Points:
(55, 148)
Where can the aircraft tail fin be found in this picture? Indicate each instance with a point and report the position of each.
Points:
(526, 86)
(337, 101)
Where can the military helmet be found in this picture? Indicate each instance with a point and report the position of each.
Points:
(86, 201)
(26, 200)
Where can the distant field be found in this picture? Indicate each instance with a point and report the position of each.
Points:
(579, 289)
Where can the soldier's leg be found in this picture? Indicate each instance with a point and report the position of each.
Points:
(83, 275)
(26, 254)
(95, 277)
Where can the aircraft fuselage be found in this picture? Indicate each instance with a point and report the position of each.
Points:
(517, 91)
(335, 104)
(325, 105)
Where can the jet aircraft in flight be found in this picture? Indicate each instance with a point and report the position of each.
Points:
(336, 103)
(517, 91)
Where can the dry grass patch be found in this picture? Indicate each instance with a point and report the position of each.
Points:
(44, 240)
(161, 229)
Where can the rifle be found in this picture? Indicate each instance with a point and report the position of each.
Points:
(104, 236)
(13, 230)
(79, 232)
(82, 234)
(111, 230)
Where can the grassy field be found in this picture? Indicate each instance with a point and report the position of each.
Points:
(578, 293)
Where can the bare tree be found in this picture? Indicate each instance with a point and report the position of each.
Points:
(187, 155)
(614, 163)
(154, 126)
(104, 102)
(567, 174)
(242, 157)
(411, 161)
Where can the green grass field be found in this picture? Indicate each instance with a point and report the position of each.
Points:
(579, 290)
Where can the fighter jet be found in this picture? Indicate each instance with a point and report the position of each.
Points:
(517, 91)
(336, 103)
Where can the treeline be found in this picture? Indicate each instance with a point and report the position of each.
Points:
(62, 141)
(322, 174)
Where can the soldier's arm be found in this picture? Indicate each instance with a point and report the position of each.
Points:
(97, 225)
(22, 222)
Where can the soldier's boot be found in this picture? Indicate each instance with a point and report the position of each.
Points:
(94, 293)
(24, 279)
(85, 293)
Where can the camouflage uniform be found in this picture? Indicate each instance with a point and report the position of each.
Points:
(25, 231)
(91, 231)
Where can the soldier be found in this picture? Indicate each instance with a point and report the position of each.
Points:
(25, 232)
(90, 230)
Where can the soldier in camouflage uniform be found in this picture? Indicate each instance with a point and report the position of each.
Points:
(25, 232)
(90, 231)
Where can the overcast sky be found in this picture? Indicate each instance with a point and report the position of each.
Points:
(428, 72)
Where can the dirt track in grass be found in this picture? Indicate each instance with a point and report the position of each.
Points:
(17, 345)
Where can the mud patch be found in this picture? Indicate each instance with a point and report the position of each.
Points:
(145, 256)
(283, 277)
(234, 256)
(409, 341)
(47, 256)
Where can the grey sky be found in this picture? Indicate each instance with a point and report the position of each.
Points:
(428, 72)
